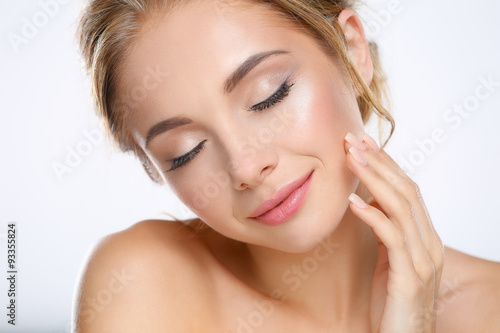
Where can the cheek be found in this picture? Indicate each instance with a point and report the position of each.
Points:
(334, 113)
(324, 112)
(205, 192)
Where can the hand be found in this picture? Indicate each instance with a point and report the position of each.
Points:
(410, 253)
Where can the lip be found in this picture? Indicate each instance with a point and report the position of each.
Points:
(285, 203)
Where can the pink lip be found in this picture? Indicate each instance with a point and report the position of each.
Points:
(274, 211)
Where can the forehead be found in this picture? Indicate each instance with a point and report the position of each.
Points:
(197, 46)
(206, 30)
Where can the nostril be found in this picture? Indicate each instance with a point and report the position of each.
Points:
(266, 171)
(266, 168)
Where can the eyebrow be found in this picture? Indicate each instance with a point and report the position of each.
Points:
(246, 67)
(164, 126)
(230, 83)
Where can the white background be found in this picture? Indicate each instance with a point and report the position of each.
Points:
(434, 53)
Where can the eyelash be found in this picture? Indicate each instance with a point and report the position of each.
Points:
(184, 159)
(277, 97)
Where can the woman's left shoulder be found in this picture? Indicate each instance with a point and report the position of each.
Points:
(469, 294)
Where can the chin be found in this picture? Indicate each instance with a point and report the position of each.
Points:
(306, 231)
(321, 220)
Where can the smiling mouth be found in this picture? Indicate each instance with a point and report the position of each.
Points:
(287, 206)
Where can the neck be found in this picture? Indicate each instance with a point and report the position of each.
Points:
(333, 280)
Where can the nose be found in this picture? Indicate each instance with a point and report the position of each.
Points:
(250, 165)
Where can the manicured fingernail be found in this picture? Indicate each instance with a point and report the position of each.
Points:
(357, 155)
(357, 201)
(370, 142)
(354, 141)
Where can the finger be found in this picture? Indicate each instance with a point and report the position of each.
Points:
(429, 228)
(372, 144)
(378, 160)
(389, 234)
(398, 210)
(391, 171)
(406, 187)
(396, 176)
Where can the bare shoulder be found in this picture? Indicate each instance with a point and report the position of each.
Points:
(143, 279)
(469, 294)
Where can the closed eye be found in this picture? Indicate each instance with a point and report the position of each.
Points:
(276, 97)
(184, 159)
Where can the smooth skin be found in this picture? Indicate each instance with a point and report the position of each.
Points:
(337, 265)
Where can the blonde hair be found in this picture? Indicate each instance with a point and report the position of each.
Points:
(108, 28)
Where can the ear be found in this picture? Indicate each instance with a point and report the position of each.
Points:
(359, 50)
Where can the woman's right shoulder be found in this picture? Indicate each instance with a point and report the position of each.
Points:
(143, 278)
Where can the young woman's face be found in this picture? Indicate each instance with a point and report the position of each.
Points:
(281, 119)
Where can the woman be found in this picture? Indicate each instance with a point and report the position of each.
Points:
(253, 113)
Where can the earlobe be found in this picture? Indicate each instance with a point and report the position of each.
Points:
(357, 44)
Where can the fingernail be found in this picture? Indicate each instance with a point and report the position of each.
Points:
(357, 201)
(354, 141)
(357, 155)
(370, 142)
